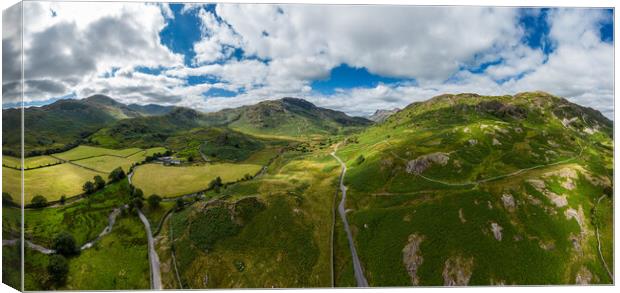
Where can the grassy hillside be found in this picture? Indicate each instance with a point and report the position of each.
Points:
(64, 123)
(497, 189)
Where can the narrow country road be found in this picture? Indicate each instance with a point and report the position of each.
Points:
(153, 257)
(357, 267)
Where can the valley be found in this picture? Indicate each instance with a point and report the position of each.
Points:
(456, 190)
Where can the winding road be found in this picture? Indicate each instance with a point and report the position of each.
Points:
(357, 266)
(153, 257)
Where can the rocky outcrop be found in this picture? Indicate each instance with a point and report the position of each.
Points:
(457, 271)
(412, 257)
(420, 164)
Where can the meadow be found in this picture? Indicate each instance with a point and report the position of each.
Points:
(84, 151)
(170, 181)
(50, 182)
(29, 162)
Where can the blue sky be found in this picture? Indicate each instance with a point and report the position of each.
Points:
(356, 59)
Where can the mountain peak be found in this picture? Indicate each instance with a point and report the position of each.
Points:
(101, 99)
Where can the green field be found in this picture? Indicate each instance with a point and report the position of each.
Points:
(84, 151)
(172, 181)
(51, 182)
(106, 163)
(118, 261)
(84, 219)
(30, 162)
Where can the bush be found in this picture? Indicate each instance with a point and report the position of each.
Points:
(213, 225)
(180, 204)
(63, 199)
(58, 267)
(360, 160)
(64, 244)
(154, 200)
(38, 201)
(137, 203)
(137, 192)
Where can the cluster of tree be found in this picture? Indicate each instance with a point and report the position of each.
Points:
(38, 201)
(33, 153)
(116, 175)
(7, 199)
(58, 266)
(91, 187)
(136, 198)
(157, 155)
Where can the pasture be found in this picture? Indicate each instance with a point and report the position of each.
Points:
(30, 162)
(175, 181)
(84, 151)
(51, 182)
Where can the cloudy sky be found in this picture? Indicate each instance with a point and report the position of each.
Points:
(352, 58)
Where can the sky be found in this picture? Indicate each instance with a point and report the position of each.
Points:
(355, 59)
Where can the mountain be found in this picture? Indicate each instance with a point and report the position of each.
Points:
(288, 117)
(381, 115)
(59, 125)
(470, 189)
(151, 109)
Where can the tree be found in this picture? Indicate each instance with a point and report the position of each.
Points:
(7, 199)
(38, 201)
(216, 184)
(137, 192)
(88, 187)
(180, 204)
(137, 203)
(99, 182)
(116, 175)
(64, 244)
(58, 267)
(63, 199)
(154, 200)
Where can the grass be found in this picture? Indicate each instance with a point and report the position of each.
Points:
(170, 181)
(119, 261)
(84, 219)
(29, 162)
(106, 163)
(84, 151)
(50, 182)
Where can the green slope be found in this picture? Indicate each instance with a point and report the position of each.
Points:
(449, 169)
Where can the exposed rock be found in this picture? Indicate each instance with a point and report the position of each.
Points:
(412, 257)
(584, 276)
(576, 242)
(496, 142)
(497, 231)
(546, 245)
(558, 200)
(461, 216)
(457, 271)
(472, 142)
(382, 115)
(509, 202)
(567, 174)
(518, 130)
(580, 217)
(420, 164)
(552, 143)
(466, 130)
(567, 122)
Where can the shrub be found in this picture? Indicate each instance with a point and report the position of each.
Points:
(7, 199)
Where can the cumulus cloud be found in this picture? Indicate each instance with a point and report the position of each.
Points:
(97, 48)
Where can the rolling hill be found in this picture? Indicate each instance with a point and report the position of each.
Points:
(60, 125)
(469, 189)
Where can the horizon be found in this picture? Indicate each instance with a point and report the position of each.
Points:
(214, 56)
